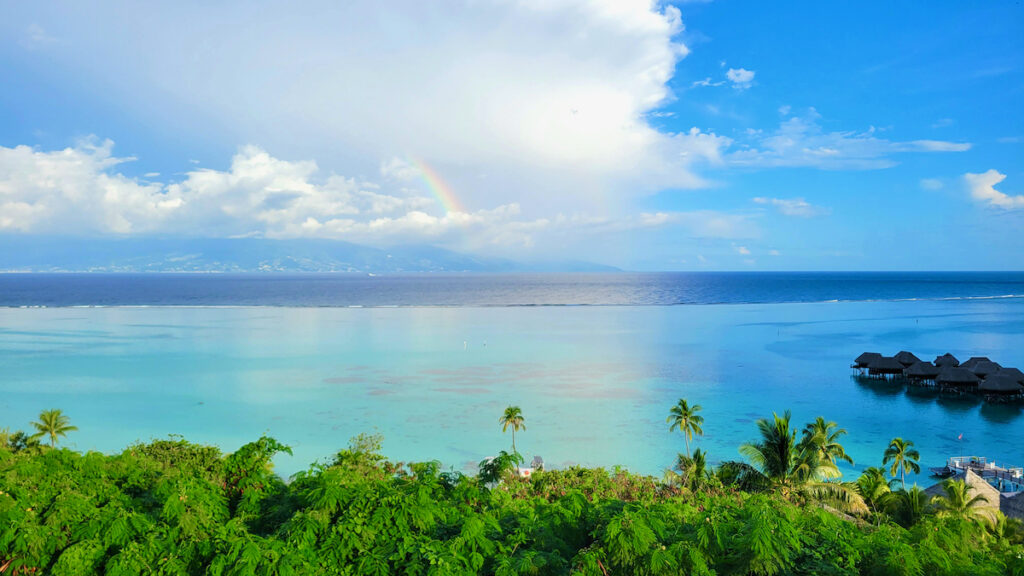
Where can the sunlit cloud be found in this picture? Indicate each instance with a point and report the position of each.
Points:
(983, 189)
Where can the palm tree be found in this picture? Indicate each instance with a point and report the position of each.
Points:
(825, 435)
(907, 506)
(685, 418)
(512, 418)
(873, 487)
(52, 423)
(692, 471)
(1010, 530)
(959, 503)
(903, 457)
(781, 458)
(798, 466)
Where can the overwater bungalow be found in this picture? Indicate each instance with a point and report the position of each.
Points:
(984, 368)
(921, 372)
(971, 362)
(999, 387)
(885, 367)
(864, 359)
(956, 378)
(978, 375)
(1014, 373)
(906, 358)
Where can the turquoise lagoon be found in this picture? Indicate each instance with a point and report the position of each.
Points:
(595, 382)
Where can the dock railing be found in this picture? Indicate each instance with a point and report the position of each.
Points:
(981, 466)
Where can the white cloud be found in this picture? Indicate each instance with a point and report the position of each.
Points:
(80, 190)
(801, 141)
(794, 207)
(983, 189)
(774, 253)
(940, 146)
(36, 37)
(742, 250)
(784, 110)
(942, 123)
(706, 82)
(741, 78)
(931, 183)
(549, 98)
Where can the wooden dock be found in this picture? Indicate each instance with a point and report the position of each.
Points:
(982, 467)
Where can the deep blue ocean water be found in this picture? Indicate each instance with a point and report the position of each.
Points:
(617, 289)
(595, 361)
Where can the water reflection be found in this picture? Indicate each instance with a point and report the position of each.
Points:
(1001, 413)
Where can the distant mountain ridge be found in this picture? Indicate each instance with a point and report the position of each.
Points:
(65, 254)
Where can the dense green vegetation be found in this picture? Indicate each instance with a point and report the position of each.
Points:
(173, 507)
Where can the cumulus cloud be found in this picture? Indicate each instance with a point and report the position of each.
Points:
(78, 190)
(794, 207)
(801, 141)
(82, 190)
(742, 250)
(541, 102)
(741, 78)
(931, 183)
(983, 189)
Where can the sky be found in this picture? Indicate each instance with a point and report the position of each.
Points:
(713, 135)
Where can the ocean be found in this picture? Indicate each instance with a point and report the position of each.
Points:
(595, 361)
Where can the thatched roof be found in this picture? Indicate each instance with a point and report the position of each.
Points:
(906, 358)
(864, 359)
(973, 361)
(1001, 384)
(984, 368)
(946, 359)
(1014, 373)
(978, 486)
(956, 375)
(885, 365)
(921, 370)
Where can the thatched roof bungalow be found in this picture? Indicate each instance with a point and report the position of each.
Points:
(885, 365)
(906, 358)
(947, 359)
(983, 369)
(1014, 373)
(864, 359)
(1000, 384)
(973, 361)
(921, 371)
(956, 376)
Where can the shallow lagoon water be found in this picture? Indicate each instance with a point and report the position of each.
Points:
(595, 383)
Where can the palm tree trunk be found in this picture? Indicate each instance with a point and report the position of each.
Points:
(903, 471)
(686, 438)
(513, 440)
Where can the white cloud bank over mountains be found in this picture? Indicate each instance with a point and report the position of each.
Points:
(542, 102)
(537, 112)
(79, 190)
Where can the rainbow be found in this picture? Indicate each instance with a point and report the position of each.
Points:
(438, 187)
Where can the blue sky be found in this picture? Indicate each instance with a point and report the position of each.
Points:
(694, 136)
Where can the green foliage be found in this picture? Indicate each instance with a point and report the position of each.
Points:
(500, 467)
(171, 507)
